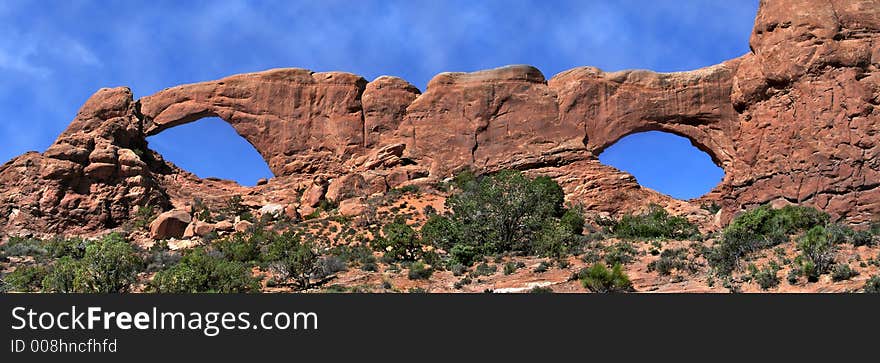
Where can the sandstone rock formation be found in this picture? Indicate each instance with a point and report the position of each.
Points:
(171, 224)
(794, 121)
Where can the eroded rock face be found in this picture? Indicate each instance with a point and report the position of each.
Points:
(794, 121)
(93, 177)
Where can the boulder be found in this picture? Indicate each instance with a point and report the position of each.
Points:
(352, 207)
(274, 210)
(198, 229)
(242, 226)
(313, 195)
(346, 186)
(225, 226)
(171, 224)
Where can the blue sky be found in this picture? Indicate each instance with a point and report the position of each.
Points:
(664, 162)
(54, 54)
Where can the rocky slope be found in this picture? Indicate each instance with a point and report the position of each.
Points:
(793, 121)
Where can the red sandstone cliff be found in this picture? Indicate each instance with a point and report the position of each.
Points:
(794, 121)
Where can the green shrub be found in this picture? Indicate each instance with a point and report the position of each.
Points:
(234, 207)
(439, 231)
(245, 246)
(63, 275)
(26, 278)
(484, 269)
(108, 265)
(503, 211)
(555, 239)
(510, 268)
(620, 253)
(542, 267)
(541, 290)
(418, 271)
(793, 276)
(600, 279)
(817, 253)
(458, 269)
(329, 265)
(291, 257)
(655, 223)
(573, 219)
(354, 254)
(872, 286)
(24, 247)
(842, 272)
(766, 277)
(759, 228)
(672, 259)
(400, 242)
(144, 216)
(60, 247)
(863, 238)
(771, 226)
(199, 271)
(464, 254)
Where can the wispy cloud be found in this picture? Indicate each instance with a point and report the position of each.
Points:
(20, 55)
(73, 51)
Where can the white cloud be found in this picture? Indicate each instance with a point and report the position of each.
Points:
(18, 56)
(36, 53)
(75, 52)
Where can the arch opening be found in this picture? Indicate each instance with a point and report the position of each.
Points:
(210, 147)
(668, 163)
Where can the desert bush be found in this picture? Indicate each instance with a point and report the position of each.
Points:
(510, 268)
(234, 207)
(759, 228)
(555, 239)
(329, 265)
(162, 259)
(108, 265)
(793, 276)
(245, 246)
(541, 290)
(600, 279)
(503, 211)
(439, 231)
(60, 247)
(26, 278)
(201, 271)
(842, 272)
(655, 223)
(766, 277)
(672, 259)
(354, 254)
(542, 267)
(62, 277)
(484, 269)
(144, 215)
(863, 238)
(817, 253)
(872, 286)
(458, 269)
(291, 257)
(620, 253)
(712, 207)
(399, 241)
(573, 219)
(464, 254)
(418, 271)
(18, 246)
